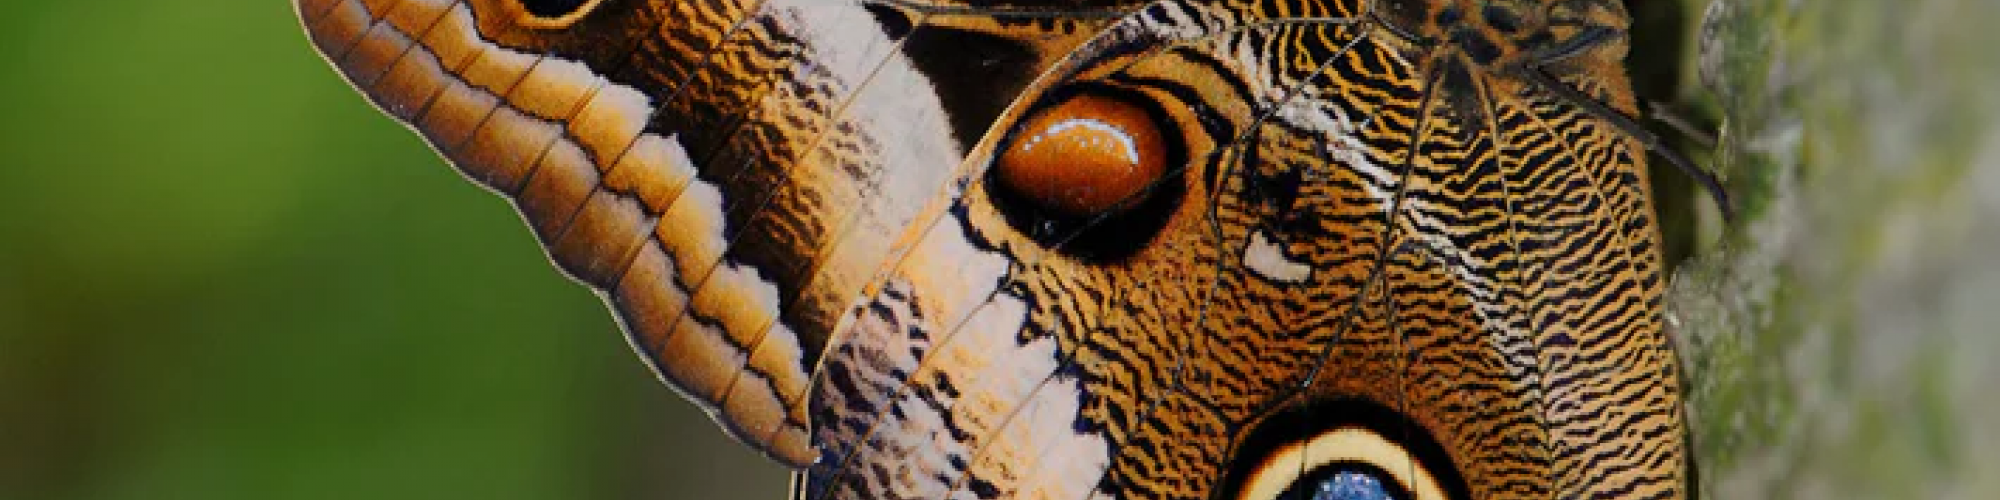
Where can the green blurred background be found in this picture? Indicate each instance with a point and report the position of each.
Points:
(224, 276)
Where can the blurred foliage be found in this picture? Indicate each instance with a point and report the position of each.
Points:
(1839, 332)
(224, 276)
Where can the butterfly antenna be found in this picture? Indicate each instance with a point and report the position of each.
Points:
(1632, 128)
(1666, 114)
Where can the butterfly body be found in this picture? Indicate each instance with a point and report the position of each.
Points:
(1085, 249)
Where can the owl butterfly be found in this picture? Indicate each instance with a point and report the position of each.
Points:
(1072, 249)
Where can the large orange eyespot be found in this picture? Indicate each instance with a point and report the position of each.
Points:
(1087, 172)
(1087, 156)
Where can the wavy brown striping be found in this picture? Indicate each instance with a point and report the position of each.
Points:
(1385, 232)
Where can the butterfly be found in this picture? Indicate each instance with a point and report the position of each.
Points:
(1078, 249)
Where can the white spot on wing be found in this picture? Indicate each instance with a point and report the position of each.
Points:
(1265, 258)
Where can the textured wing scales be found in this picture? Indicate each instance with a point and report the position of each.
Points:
(728, 174)
(770, 194)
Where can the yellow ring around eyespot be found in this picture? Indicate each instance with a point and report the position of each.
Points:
(1346, 444)
(529, 20)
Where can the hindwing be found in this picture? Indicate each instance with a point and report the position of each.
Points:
(1087, 248)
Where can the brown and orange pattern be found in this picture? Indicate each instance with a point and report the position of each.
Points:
(1087, 248)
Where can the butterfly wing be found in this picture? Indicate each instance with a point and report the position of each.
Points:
(729, 175)
(803, 214)
(1341, 268)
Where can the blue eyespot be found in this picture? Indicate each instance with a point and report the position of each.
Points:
(1351, 485)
